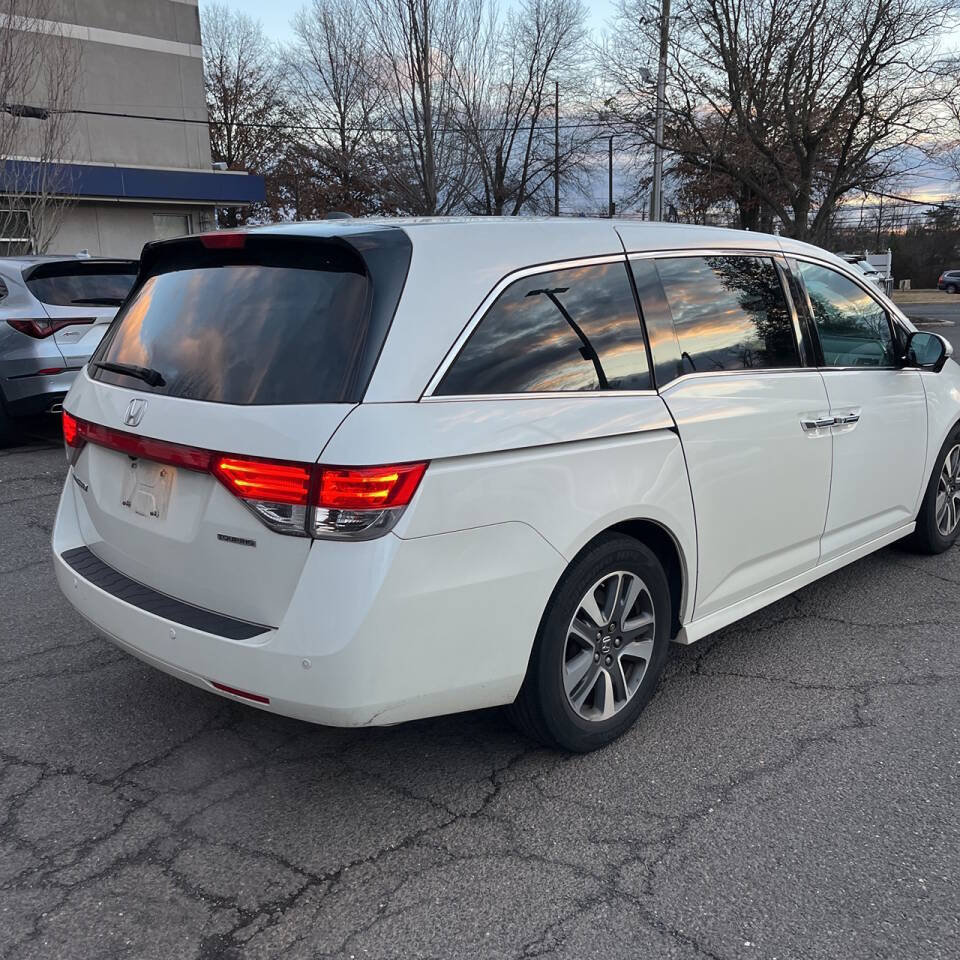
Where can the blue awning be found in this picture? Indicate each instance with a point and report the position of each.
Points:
(134, 183)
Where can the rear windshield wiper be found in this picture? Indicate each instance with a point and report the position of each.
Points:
(100, 301)
(148, 375)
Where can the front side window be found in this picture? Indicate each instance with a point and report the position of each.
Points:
(729, 312)
(565, 330)
(853, 328)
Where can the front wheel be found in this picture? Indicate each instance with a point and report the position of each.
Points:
(600, 648)
(938, 522)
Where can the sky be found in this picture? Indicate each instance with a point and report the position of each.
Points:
(276, 14)
(927, 184)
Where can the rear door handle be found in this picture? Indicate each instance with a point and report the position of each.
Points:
(847, 418)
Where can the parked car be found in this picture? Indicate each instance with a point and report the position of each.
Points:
(53, 312)
(367, 472)
(949, 280)
(868, 270)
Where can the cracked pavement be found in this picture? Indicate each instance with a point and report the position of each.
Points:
(791, 792)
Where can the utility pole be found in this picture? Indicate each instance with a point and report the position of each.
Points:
(656, 200)
(556, 148)
(610, 208)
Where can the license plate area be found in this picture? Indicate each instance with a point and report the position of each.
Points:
(146, 489)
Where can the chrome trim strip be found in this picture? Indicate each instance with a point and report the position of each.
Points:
(488, 301)
(746, 372)
(554, 395)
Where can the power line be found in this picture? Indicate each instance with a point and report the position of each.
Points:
(322, 128)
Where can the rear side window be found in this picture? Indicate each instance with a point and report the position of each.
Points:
(564, 330)
(82, 283)
(729, 313)
(281, 320)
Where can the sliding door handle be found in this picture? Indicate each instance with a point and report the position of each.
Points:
(847, 418)
(819, 423)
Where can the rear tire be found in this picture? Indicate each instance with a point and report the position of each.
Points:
(8, 429)
(589, 677)
(951, 288)
(938, 522)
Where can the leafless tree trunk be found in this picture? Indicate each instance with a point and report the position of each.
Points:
(795, 102)
(245, 100)
(505, 79)
(414, 46)
(39, 79)
(336, 101)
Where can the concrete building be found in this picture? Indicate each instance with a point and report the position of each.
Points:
(136, 178)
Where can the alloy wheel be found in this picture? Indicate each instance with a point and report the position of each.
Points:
(948, 493)
(609, 645)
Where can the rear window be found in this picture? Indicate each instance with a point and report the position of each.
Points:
(82, 283)
(281, 321)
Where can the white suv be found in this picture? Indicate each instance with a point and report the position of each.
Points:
(362, 473)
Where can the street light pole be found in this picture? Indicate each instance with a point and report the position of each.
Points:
(656, 200)
(610, 209)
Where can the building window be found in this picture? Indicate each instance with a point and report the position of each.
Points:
(14, 232)
(166, 226)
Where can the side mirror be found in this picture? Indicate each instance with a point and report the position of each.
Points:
(928, 351)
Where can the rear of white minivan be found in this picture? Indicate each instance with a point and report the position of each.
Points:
(187, 526)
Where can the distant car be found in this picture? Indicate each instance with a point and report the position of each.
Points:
(949, 281)
(868, 270)
(53, 312)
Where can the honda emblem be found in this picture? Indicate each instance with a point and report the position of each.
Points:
(135, 411)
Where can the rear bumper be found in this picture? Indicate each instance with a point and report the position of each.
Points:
(376, 633)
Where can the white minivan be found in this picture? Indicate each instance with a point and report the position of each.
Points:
(362, 472)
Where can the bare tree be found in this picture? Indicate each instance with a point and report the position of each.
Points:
(505, 84)
(39, 80)
(795, 102)
(414, 43)
(245, 100)
(336, 102)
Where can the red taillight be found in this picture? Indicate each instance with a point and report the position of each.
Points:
(160, 451)
(269, 480)
(71, 430)
(368, 488)
(255, 697)
(224, 240)
(301, 499)
(41, 328)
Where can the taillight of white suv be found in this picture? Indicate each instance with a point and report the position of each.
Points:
(296, 499)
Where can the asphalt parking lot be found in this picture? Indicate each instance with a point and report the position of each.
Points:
(790, 793)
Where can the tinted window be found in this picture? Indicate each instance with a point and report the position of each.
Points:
(853, 328)
(82, 284)
(573, 329)
(280, 321)
(729, 313)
